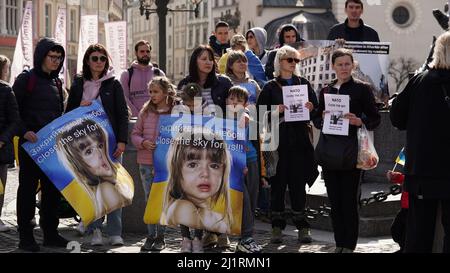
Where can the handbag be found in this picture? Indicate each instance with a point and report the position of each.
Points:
(7, 154)
(335, 152)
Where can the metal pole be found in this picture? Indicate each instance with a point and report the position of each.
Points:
(162, 10)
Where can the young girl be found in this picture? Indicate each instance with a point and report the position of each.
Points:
(88, 159)
(198, 186)
(144, 134)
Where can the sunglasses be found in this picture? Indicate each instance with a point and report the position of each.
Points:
(96, 58)
(291, 60)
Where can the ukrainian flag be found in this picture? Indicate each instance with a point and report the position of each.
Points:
(401, 157)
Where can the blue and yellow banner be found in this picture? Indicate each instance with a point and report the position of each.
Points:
(76, 151)
(199, 174)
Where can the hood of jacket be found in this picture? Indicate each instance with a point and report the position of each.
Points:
(288, 27)
(41, 51)
(261, 37)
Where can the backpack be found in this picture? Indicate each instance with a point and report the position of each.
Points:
(130, 70)
(31, 84)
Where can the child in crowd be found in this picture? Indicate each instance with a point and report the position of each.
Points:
(162, 98)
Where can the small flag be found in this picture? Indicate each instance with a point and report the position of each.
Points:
(401, 157)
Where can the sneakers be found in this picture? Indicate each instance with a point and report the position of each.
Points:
(97, 239)
(116, 240)
(248, 245)
(276, 236)
(197, 246)
(148, 244)
(186, 245)
(3, 227)
(210, 240)
(159, 243)
(55, 241)
(81, 229)
(304, 236)
(223, 241)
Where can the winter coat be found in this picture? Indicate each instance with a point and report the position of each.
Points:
(294, 141)
(112, 99)
(44, 102)
(422, 110)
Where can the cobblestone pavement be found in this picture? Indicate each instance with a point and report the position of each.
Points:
(323, 241)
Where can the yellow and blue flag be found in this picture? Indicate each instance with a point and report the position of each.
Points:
(401, 157)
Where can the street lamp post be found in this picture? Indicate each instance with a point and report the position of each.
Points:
(162, 10)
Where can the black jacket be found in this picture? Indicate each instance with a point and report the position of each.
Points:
(363, 33)
(9, 120)
(294, 141)
(219, 89)
(113, 101)
(422, 111)
(44, 102)
(219, 49)
(361, 101)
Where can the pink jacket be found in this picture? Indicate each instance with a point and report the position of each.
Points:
(146, 128)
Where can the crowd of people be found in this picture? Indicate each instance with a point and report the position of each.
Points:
(236, 71)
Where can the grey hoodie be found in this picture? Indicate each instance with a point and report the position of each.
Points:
(261, 39)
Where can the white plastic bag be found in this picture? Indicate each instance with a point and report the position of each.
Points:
(367, 155)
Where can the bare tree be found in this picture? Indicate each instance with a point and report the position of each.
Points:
(400, 70)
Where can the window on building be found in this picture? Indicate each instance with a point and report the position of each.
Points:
(72, 25)
(191, 14)
(170, 22)
(197, 36)
(205, 9)
(191, 37)
(320, 77)
(313, 77)
(48, 20)
(205, 35)
(327, 76)
(12, 24)
(216, 3)
(183, 40)
(170, 41)
(402, 15)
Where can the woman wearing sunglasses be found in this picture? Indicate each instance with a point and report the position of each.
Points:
(97, 81)
(296, 166)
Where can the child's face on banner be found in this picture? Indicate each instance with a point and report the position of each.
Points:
(202, 177)
(94, 155)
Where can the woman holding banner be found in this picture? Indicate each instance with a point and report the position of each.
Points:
(202, 71)
(342, 181)
(97, 82)
(296, 166)
(9, 118)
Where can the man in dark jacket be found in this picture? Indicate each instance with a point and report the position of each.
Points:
(288, 35)
(220, 40)
(40, 100)
(353, 29)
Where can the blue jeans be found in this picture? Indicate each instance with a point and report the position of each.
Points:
(114, 220)
(146, 172)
